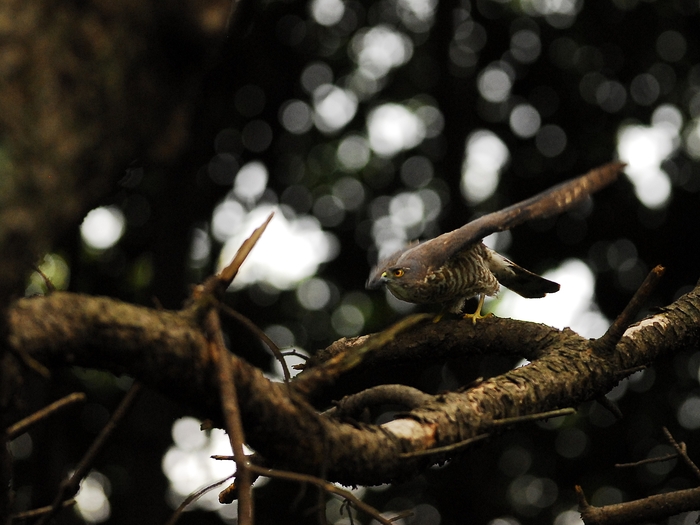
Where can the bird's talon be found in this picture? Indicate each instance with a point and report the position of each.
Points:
(475, 316)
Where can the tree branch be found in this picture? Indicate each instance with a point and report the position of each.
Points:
(167, 351)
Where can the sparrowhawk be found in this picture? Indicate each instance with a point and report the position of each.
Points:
(456, 265)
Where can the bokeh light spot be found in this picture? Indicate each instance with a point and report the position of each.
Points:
(353, 153)
(550, 140)
(494, 83)
(334, 107)
(525, 120)
(314, 294)
(485, 155)
(102, 227)
(671, 46)
(290, 251)
(572, 306)
(393, 128)
(380, 49)
(296, 116)
(250, 182)
(689, 413)
(91, 501)
(327, 12)
(525, 46)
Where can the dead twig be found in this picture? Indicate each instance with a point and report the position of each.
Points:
(35, 513)
(255, 330)
(25, 424)
(443, 450)
(609, 339)
(69, 487)
(194, 497)
(326, 486)
(680, 449)
(209, 294)
(652, 509)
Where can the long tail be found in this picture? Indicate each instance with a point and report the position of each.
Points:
(521, 281)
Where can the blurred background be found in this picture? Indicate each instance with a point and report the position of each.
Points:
(366, 125)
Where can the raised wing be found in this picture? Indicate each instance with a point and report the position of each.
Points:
(553, 201)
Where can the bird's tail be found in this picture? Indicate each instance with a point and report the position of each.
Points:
(521, 281)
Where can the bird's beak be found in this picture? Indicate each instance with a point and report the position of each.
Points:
(376, 281)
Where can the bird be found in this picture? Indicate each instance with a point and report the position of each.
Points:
(457, 265)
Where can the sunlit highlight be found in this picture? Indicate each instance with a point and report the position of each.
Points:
(290, 250)
(393, 128)
(103, 227)
(380, 49)
(573, 305)
(91, 501)
(644, 148)
(485, 155)
(334, 107)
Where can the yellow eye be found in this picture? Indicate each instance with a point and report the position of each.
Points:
(398, 272)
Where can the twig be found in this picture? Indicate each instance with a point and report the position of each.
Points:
(647, 461)
(69, 487)
(35, 513)
(652, 509)
(532, 417)
(232, 416)
(252, 327)
(447, 448)
(25, 424)
(682, 453)
(227, 274)
(194, 497)
(608, 341)
(31, 363)
(325, 485)
(325, 373)
(611, 407)
(49, 285)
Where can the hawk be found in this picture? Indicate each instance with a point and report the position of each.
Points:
(455, 266)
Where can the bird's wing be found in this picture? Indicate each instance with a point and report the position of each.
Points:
(553, 201)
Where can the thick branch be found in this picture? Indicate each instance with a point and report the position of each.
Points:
(166, 350)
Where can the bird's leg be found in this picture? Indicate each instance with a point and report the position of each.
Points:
(477, 315)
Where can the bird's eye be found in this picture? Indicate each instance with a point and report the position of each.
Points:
(398, 272)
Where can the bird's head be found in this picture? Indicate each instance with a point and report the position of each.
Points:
(383, 275)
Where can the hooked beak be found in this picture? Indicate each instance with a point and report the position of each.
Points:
(376, 280)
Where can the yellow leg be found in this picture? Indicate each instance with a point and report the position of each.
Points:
(477, 315)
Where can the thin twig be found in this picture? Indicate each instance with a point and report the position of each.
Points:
(25, 424)
(69, 487)
(227, 274)
(682, 453)
(194, 497)
(232, 416)
(329, 370)
(647, 461)
(49, 285)
(252, 327)
(31, 363)
(35, 513)
(608, 341)
(447, 448)
(611, 407)
(532, 417)
(325, 485)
